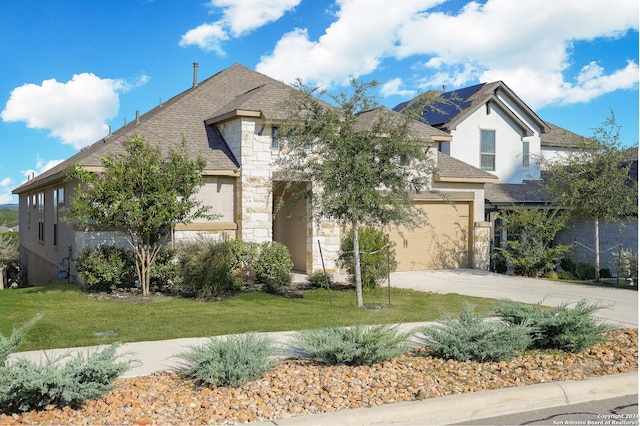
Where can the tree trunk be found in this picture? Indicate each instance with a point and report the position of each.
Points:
(596, 247)
(356, 266)
(2, 281)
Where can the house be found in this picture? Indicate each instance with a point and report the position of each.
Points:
(226, 120)
(492, 129)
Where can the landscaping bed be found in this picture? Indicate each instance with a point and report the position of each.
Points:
(301, 386)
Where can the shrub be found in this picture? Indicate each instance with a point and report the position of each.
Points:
(569, 329)
(529, 246)
(233, 361)
(106, 267)
(626, 264)
(165, 271)
(358, 345)
(25, 385)
(206, 268)
(319, 279)
(273, 268)
(373, 258)
(10, 344)
(565, 275)
(472, 337)
(244, 255)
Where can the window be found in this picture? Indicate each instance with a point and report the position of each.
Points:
(28, 211)
(40, 216)
(525, 154)
(488, 149)
(58, 205)
(275, 138)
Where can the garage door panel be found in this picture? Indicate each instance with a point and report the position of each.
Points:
(442, 243)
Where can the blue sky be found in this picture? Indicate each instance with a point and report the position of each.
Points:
(72, 68)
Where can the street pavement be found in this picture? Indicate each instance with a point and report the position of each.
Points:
(623, 311)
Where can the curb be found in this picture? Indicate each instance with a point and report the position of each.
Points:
(476, 405)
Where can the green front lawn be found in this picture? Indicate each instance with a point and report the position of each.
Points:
(72, 317)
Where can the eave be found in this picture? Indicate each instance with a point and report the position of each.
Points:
(231, 115)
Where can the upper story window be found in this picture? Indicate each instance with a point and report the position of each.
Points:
(525, 154)
(58, 205)
(275, 140)
(488, 149)
(40, 216)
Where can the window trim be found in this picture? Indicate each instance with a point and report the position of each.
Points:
(487, 154)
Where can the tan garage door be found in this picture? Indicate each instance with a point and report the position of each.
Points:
(442, 243)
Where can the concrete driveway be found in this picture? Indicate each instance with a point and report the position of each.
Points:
(622, 303)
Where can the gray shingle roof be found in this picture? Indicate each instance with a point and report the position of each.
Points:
(452, 169)
(184, 114)
(515, 193)
(422, 131)
(558, 137)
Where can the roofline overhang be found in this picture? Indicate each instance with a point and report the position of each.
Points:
(493, 98)
(231, 115)
(438, 178)
(61, 176)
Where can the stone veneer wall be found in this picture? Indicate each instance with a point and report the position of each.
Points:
(482, 245)
(250, 141)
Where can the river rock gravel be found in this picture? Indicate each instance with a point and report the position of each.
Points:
(297, 387)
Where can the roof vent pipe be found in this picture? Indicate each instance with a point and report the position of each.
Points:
(195, 74)
(137, 116)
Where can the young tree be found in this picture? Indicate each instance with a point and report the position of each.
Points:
(142, 195)
(593, 182)
(363, 161)
(531, 232)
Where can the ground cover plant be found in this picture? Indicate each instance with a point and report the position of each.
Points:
(72, 317)
(64, 381)
(357, 345)
(473, 337)
(562, 327)
(230, 361)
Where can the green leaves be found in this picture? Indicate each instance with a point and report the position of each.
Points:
(140, 193)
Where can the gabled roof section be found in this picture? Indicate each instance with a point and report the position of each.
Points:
(459, 104)
(183, 115)
(423, 132)
(527, 192)
(557, 137)
(264, 101)
(453, 170)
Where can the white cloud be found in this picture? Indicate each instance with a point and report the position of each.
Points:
(364, 33)
(392, 87)
(5, 191)
(526, 43)
(75, 111)
(239, 17)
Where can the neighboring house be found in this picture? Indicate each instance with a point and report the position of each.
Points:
(613, 236)
(226, 120)
(492, 129)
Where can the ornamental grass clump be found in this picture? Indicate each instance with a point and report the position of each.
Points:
(568, 329)
(473, 337)
(357, 345)
(61, 381)
(232, 361)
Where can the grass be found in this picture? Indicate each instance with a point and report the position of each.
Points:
(71, 317)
